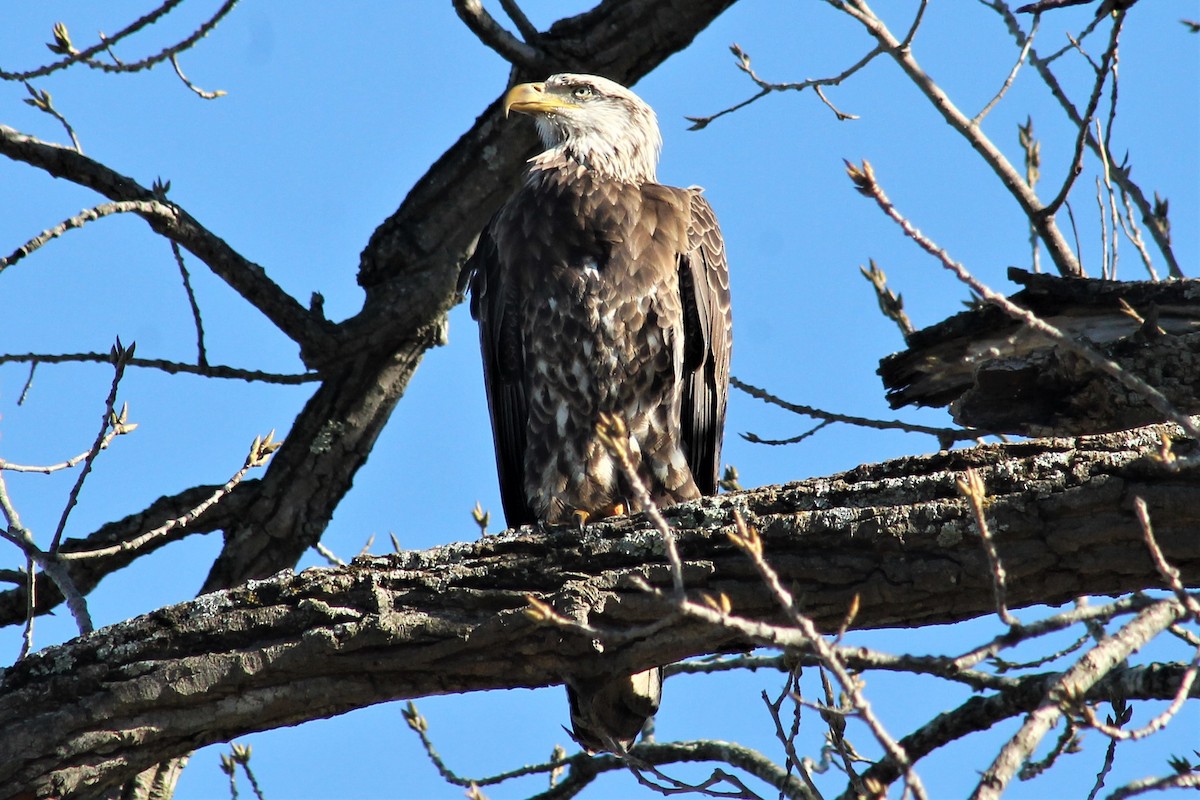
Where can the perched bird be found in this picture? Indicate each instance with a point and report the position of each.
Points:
(600, 291)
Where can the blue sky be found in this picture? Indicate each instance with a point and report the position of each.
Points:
(334, 111)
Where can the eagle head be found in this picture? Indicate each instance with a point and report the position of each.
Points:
(594, 122)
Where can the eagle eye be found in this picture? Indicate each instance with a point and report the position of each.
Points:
(582, 92)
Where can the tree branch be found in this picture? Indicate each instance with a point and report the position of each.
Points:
(168, 219)
(982, 712)
(1120, 174)
(86, 574)
(495, 36)
(298, 647)
(169, 367)
(1070, 688)
(1025, 196)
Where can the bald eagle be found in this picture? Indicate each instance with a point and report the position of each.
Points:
(598, 290)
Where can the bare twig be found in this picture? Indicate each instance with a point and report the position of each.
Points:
(168, 219)
(30, 608)
(19, 535)
(168, 52)
(24, 395)
(75, 56)
(1084, 614)
(239, 755)
(1075, 234)
(201, 356)
(47, 469)
(1004, 665)
(945, 436)
(1133, 232)
(1050, 5)
(835, 718)
(1169, 573)
(791, 687)
(120, 358)
(169, 367)
(1110, 757)
(77, 221)
(582, 769)
(42, 101)
(890, 303)
(420, 725)
(710, 787)
(1187, 780)
(1033, 171)
(207, 95)
(710, 664)
(1067, 742)
(972, 488)
(260, 452)
(754, 438)
(767, 87)
(330, 557)
(1106, 252)
(1113, 216)
(1012, 75)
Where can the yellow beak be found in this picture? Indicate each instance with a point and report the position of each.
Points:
(531, 98)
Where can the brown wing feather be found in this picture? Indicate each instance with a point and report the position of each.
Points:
(708, 328)
(494, 303)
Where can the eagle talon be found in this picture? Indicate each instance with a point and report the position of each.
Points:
(581, 517)
(615, 510)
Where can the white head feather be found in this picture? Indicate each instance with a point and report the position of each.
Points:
(599, 124)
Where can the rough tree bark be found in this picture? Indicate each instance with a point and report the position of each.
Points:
(95, 711)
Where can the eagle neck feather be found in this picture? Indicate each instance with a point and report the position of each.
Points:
(624, 162)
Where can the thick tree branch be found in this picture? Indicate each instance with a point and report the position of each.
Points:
(298, 647)
(494, 35)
